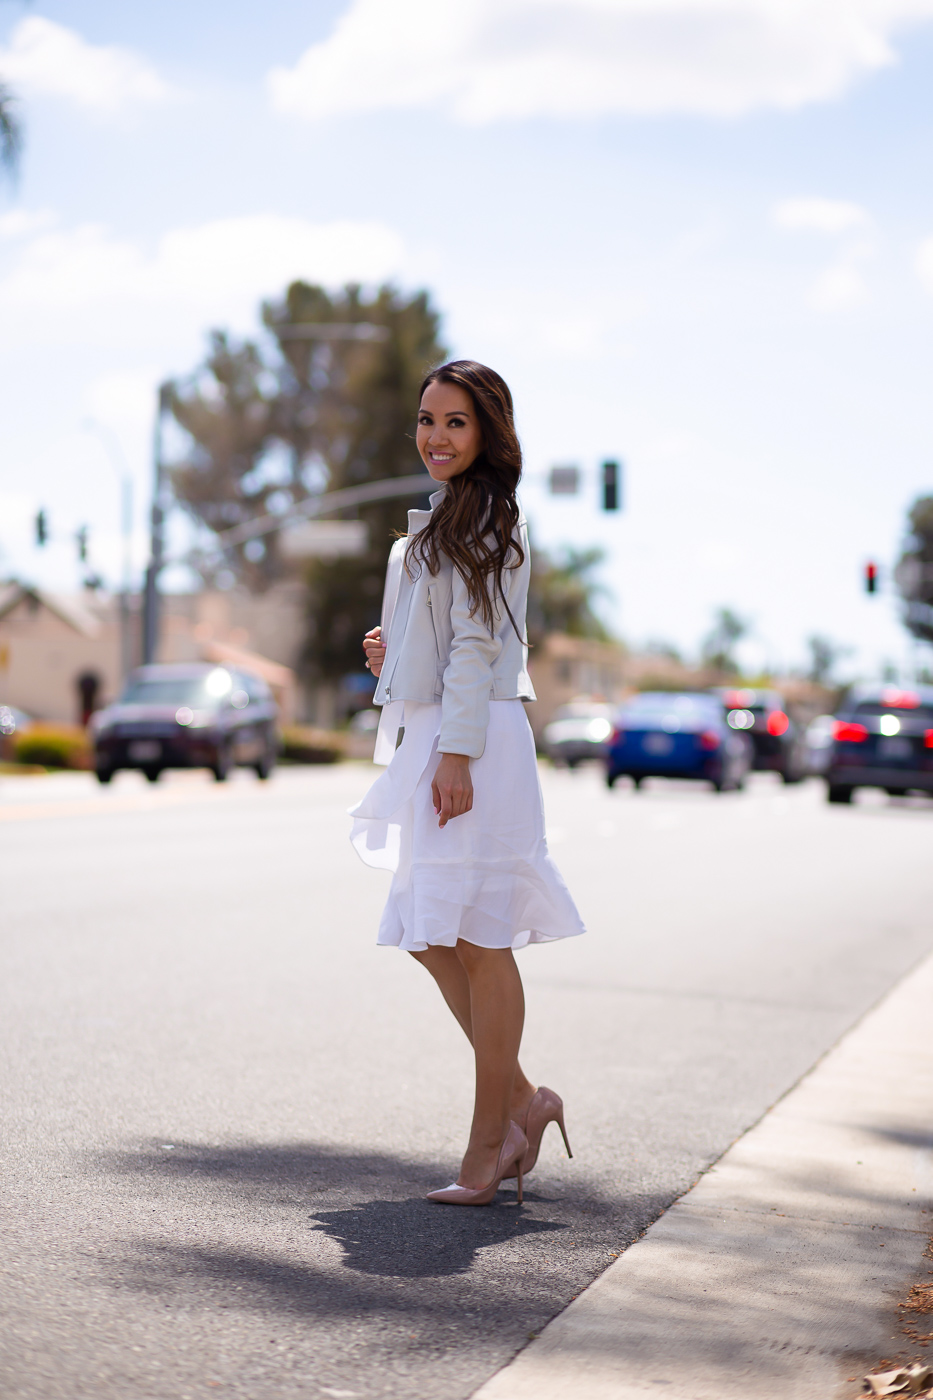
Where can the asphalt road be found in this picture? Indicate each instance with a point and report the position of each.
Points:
(222, 1105)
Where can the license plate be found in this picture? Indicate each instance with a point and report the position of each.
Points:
(658, 744)
(144, 749)
(895, 748)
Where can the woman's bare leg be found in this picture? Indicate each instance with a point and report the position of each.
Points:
(448, 971)
(497, 1007)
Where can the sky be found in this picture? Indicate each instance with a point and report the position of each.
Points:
(693, 235)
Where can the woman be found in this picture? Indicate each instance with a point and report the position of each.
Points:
(458, 816)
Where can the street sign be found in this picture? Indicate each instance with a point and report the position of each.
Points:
(564, 481)
(324, 539)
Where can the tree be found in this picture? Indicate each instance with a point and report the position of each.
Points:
(719, 645)
(825, 654)
(914, 572)
(330, 403)
(11, 133)
(562, 593)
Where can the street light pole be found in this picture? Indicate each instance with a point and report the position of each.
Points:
(118, 461)
(157, 538)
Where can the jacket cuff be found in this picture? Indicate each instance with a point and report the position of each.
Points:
(470, 741)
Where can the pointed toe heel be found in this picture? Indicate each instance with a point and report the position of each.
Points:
(510, 1164)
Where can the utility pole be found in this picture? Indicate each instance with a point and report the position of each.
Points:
(157, 538)
(114, 451)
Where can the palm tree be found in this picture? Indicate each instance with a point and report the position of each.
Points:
(11, 135)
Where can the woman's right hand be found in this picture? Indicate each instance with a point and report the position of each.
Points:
(375, 651)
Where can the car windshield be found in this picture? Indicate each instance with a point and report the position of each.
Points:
(875, 707)
(203, 690)
(657, 705)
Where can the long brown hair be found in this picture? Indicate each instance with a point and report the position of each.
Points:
(475, 523)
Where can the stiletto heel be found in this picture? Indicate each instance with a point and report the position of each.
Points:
(545, 1107)
(510, 1161)
(563, 1132)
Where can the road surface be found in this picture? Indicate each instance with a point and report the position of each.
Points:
(222, 1105)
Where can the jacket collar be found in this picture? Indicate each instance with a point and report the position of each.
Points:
(417, 519)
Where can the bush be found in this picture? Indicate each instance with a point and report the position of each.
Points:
(54, 746)
(302, 743)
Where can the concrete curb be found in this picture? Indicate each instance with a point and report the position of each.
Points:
(777, 1276)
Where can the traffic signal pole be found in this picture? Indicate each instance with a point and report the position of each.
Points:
(151, 599)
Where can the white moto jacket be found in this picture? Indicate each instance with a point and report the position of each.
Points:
(435, 651)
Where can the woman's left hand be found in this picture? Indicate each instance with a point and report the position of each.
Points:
(452, 788)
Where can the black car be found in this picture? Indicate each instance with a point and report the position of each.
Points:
(191, 715)
(762, 715)
(882, 737)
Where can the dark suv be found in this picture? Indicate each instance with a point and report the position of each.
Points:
(882, 737)
(190, 715)
(776, 741)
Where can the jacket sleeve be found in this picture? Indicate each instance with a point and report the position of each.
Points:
(467, 677)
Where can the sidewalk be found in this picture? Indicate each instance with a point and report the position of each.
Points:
(777, 1277)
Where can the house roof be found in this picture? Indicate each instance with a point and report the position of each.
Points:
(72, 611)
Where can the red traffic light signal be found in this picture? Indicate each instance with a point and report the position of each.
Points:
(871, 578)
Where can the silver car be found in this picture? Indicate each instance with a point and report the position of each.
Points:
(578, 732)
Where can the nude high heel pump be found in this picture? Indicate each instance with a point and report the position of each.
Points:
(509, 1164)
(546, 1107)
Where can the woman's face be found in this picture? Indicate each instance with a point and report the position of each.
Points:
(449, 437)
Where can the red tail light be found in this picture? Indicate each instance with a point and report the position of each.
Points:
(709, 739)
(617, 736)
(846, 733)
(777, 722)
(928, 739)
(900, 699)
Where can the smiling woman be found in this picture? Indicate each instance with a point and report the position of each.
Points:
(457, 816)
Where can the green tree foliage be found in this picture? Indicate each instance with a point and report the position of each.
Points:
(719, 645)
(914, 572)
(11, 133)
(562, 594)
(354, 402)
(319, 407)
(825, 655)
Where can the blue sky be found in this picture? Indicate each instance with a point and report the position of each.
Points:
(693, 234)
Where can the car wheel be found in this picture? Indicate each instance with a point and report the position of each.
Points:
(896, 792)
(221, 769)
(265, 765)
(153, 774)
(104, 775)
(838, 794)
(637, 782)
(611, 779)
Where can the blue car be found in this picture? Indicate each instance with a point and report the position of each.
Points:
(659, 734)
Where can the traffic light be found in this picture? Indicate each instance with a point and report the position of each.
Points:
(871, 578)
(612, 486)
(81, 541)
(42, 529)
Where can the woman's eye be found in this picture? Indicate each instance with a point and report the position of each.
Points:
(455, 423)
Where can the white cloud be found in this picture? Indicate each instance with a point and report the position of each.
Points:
(46, 59)
(484, 60)
(20, 223)
(87, 279)
(819, 215)
(839, 287)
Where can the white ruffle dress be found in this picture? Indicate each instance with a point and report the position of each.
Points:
(487, 876)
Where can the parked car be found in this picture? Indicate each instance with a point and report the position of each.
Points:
(13, 721)
(776, 741)
(577, 732)
(882, 737)
(191, 715)
(662, 734)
